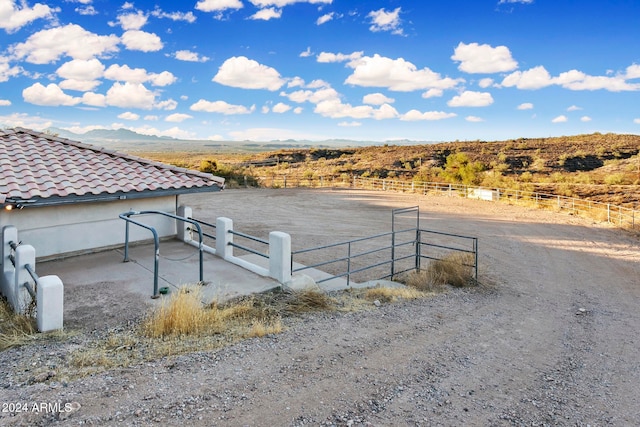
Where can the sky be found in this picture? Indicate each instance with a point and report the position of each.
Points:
(367, 70)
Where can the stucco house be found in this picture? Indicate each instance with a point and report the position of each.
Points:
(64, 197)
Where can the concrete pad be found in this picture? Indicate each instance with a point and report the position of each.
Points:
(178, 265)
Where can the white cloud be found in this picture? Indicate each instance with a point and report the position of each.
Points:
(574, 108)
(560, 119)
(12, 17)
(315, 97)
(177, 117)
(124, 73)
(239, 71)
(94, 99)
(307, 53)
(142, 41)
(338, 57)
(5, 103)
(477, 58)
(187, 55)
(485, 83)
(538, 77)
(51, 96)
(415, 115)
(636, 121)
(516, 1)
(474, 119)
(79, 85)
(335, 109)
(350, 124)
(433, 93)
(72, 40)
(398, 75)
(471, 99)
(86, 10)
(174, 16)
(577, 80)
(128, 116)
(25, 121)
(381, 20)
(220, 107)
(81, 69)
(633, 72)
(534, 78)
(151, 118)
(325, 18)
(525, 106)
(377, 99)
(585, 119)
(132, 21)
(272, 134)
(7, 71)
(130, 95)
(281, 108)
(283, 3)
(168, 105)
(267, 14)
(218, 5)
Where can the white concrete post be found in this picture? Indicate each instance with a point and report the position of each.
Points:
(50, 303)
(24, 254)
(184, 228)
(9, 234)
(224, 237)
(280, 256)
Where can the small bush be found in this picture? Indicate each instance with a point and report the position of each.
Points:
(386, 294)
(307, 300)
(454, 269)
(15, 329)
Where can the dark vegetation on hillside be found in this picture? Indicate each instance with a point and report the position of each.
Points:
(602, 167)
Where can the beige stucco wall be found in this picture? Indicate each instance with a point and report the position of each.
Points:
(66, 229)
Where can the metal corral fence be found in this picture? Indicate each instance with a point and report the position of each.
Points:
(387, 255)
(620, 216)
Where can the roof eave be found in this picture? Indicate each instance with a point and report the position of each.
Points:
(105, 197)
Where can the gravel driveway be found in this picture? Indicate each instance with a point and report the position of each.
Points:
(550, 339)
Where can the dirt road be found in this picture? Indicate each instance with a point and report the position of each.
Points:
(552, 339)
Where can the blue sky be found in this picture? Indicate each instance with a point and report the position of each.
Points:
(319, 69)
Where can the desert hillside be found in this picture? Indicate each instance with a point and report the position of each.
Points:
(601, 167)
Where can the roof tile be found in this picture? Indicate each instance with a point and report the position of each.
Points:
(37, 165)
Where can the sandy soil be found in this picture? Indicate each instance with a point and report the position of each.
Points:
(551, 340)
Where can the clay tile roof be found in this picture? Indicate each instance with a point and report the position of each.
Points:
(44, 169)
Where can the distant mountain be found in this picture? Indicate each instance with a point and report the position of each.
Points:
(130, 141)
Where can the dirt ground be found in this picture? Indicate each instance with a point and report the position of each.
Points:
(551, 338)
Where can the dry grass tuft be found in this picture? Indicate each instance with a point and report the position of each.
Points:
(15, 329)
(307, 300)
(262, 327)
(454, 270)
(386, 294)
(182, 314)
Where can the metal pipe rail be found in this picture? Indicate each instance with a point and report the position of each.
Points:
(156, 241)
(211, 236)
(473, 250)
(245, 248)
(27, 267)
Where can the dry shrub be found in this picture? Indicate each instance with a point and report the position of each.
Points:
(262, 327)
(386, 294)
(182, 314)
(15, 329)
(307, 300)
(454, 269)
(185, 314)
